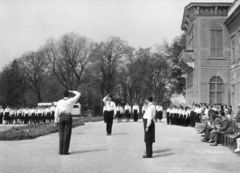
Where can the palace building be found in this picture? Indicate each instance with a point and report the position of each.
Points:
(211, 59)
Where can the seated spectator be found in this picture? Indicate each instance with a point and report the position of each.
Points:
(212, 124)
(222, 129)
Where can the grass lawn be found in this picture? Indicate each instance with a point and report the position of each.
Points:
(35, 130)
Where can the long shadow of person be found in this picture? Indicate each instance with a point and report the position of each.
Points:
(162, 151)
(87, 151)
(163, 155)
(120, 133)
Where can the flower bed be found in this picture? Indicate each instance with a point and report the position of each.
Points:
(35, 130)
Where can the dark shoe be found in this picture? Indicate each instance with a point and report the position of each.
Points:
(204, 140)
(145, 156)
(65, 153)
(214, 144)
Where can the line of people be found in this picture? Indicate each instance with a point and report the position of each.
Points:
(187, 116)
(26, 115)
(127, 112)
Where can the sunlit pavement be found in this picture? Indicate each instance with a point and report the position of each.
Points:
(177, 149)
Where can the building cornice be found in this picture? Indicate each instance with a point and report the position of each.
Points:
(193, 10)
(233, 15)
(233, 7)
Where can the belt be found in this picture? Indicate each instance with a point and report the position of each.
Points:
(65, 114)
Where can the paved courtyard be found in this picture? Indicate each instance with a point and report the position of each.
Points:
(177, 150)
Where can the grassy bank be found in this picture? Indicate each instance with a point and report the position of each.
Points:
(35, 130)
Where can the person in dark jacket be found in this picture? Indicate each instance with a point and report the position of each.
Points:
(220, 129)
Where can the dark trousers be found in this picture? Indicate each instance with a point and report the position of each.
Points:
(170, 118)
(65, 131)
(135, 115)
(149, 150)
(26, 119)
(105, 116)
(109, 121)
(167, 117)
(149, 137)
(1, 118)
(192, 119)
(207, 131)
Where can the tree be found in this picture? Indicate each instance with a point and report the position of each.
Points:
(34, 67)
(12, 86)
(69, 57)
(172, 52)
(108, 57)
(158, 78)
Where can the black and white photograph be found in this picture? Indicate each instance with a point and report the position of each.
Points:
(119, 86)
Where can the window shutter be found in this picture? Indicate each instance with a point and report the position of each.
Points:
(216, 41)
(213, 43)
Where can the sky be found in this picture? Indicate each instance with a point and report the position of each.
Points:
(25, 25)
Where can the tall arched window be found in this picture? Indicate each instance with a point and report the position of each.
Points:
(216, 90)
(216, 40)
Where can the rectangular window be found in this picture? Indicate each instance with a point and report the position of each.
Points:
(212, 101)
(212, 95)
(219, 87)
(216, 43)
(219, 95)
(190, 81)
(212, 87)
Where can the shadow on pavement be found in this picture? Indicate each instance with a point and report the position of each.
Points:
(79, 133)
(87, 151)
(162, 151)
(163, 155)
(120, 134)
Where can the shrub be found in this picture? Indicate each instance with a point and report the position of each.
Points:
(35, 130)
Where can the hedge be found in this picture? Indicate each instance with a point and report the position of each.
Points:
(32, 131)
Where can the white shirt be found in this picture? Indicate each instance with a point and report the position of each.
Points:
(119, 108)
(206, 112)
(39, 111)
(104, 108)
(168, 110)
(109, 105)
(7, 110)
(52, 108)
(65, 105)
(127, 107)
(159, 108)
(150, 114)
(144, 107)
(136, 107)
